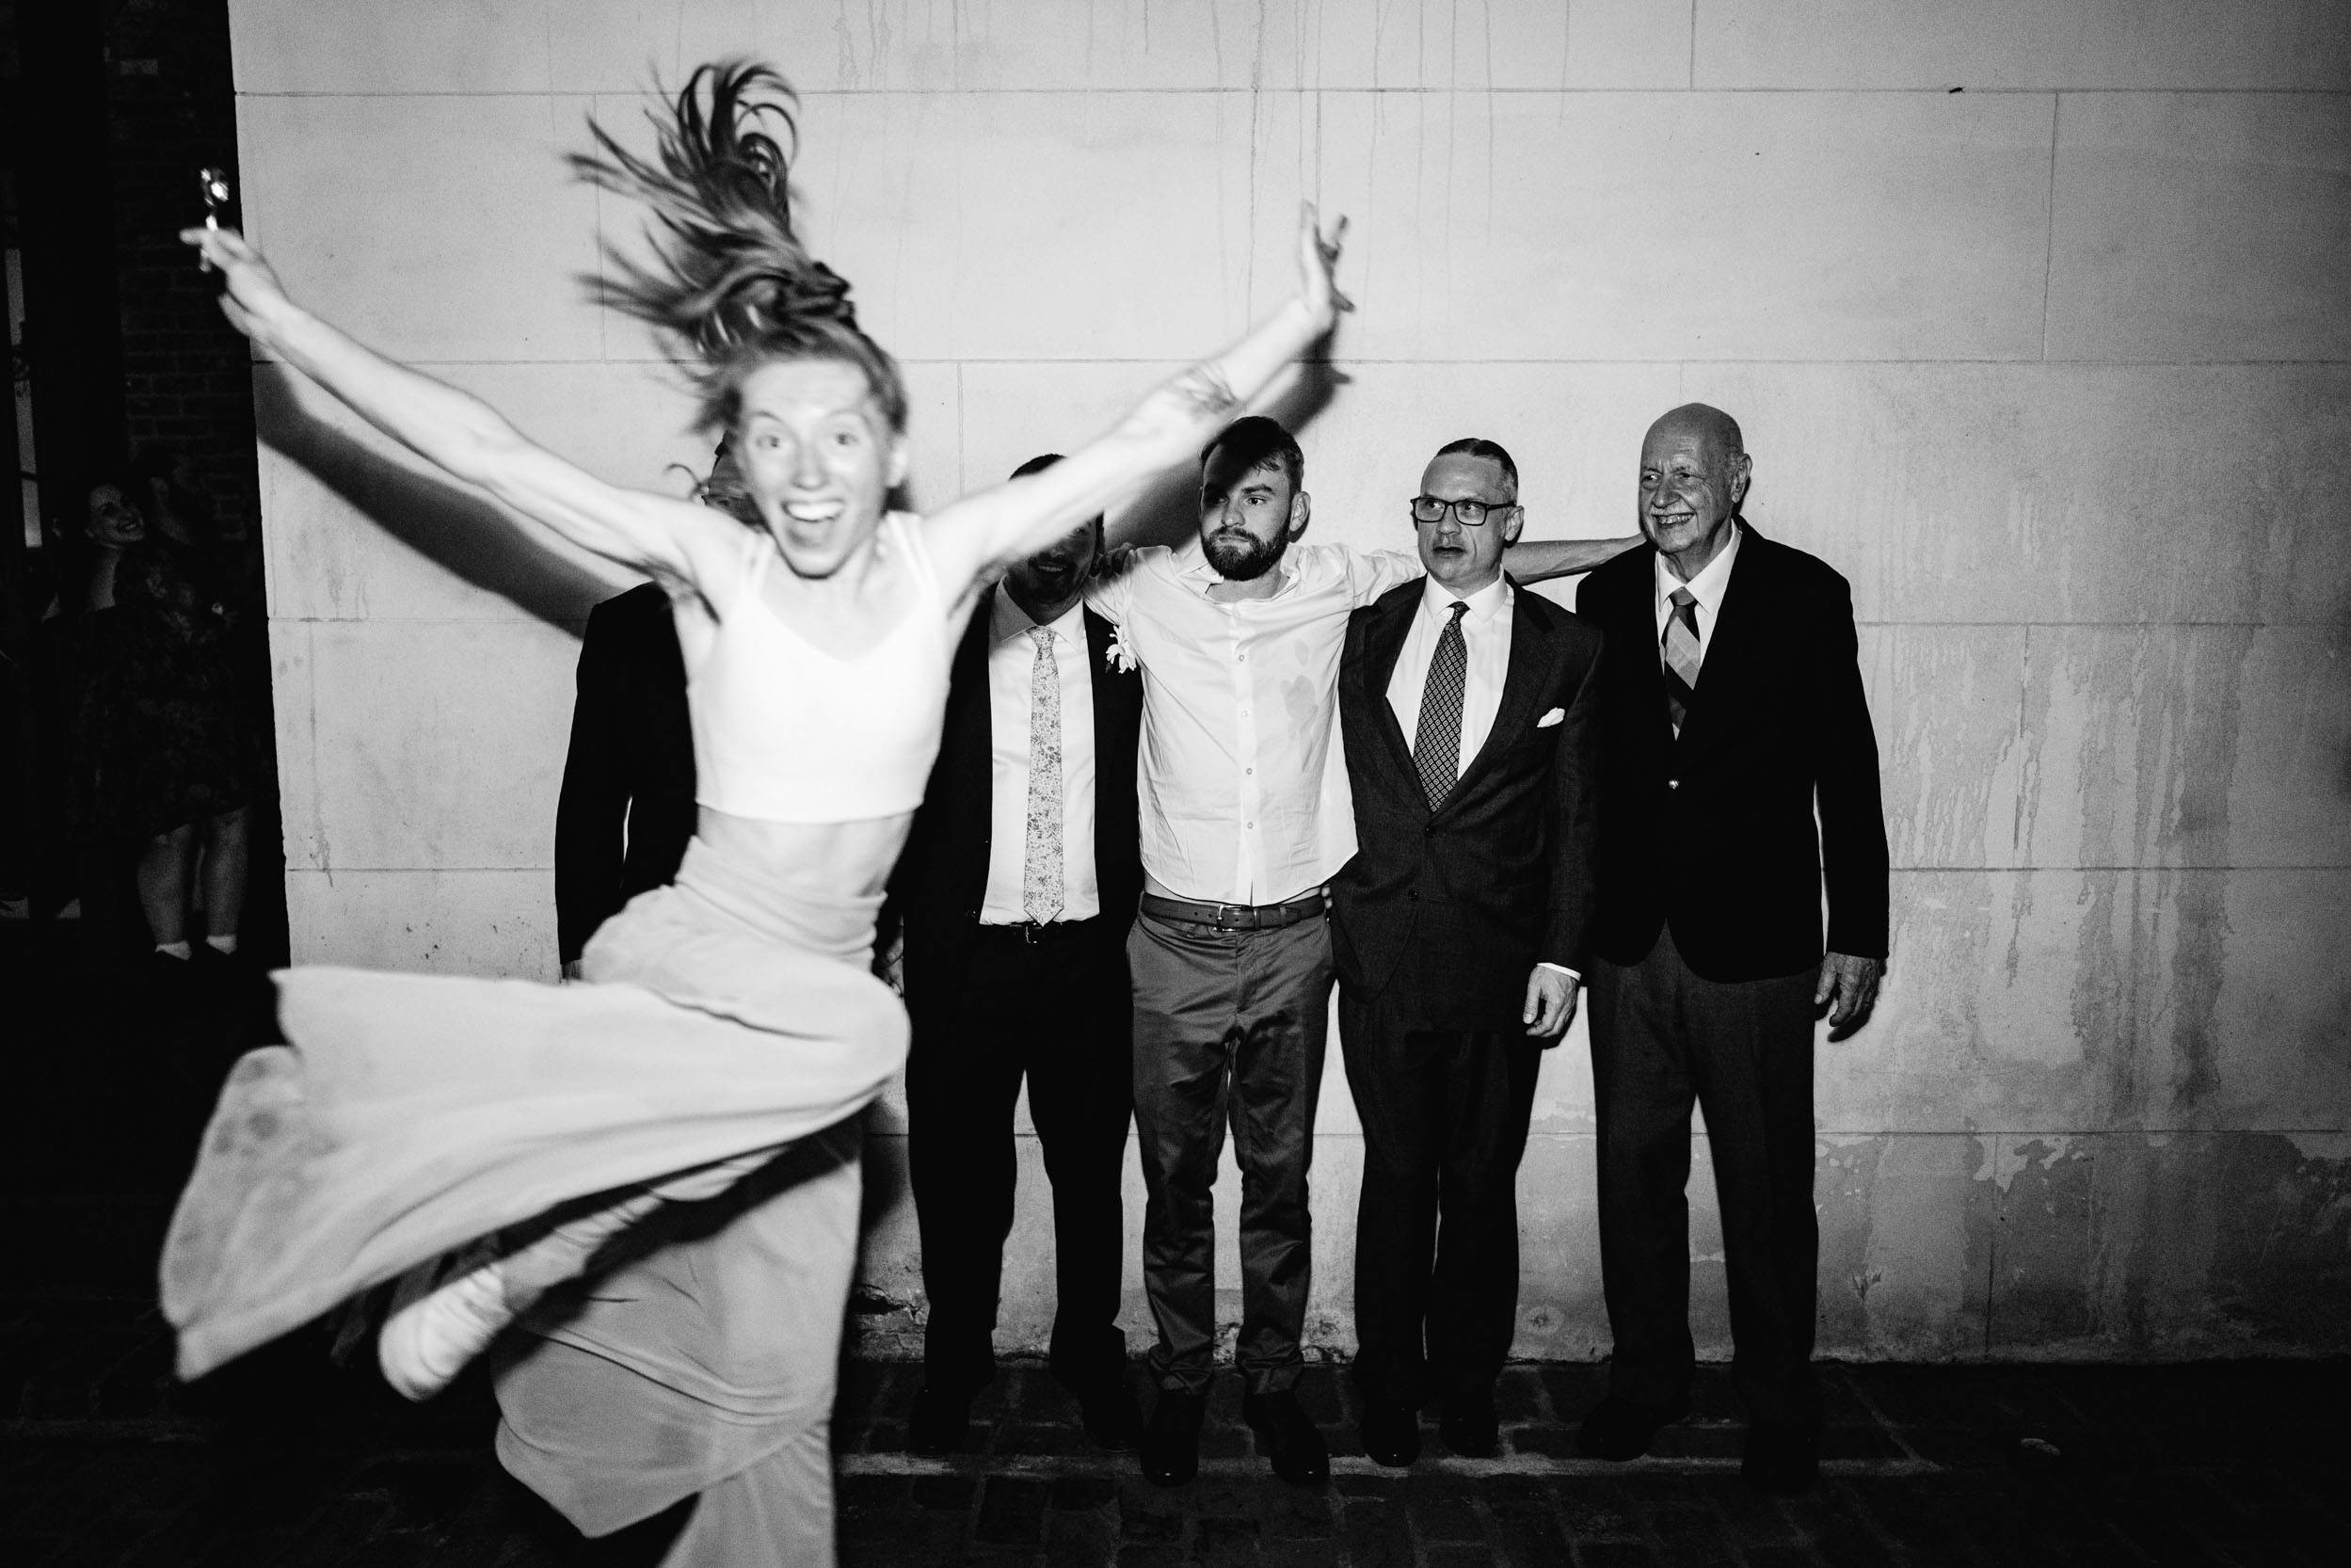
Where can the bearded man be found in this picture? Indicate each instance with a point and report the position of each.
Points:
(1245, 816)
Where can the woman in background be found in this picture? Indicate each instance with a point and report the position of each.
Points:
(164, 757)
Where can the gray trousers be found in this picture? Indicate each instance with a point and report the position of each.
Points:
(1229, 1026)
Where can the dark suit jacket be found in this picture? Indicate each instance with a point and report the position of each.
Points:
(941, 878)
(1446, 913)
(630, 762)
(1714, 833)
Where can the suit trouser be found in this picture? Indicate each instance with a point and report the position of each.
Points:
(1229, 1026)
(1662, 1036)
(1058, 1011)
(1444, 1117)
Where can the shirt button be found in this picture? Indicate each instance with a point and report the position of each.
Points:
(1249, 770)
(1672, 783)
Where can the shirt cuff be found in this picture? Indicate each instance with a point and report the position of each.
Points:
(1561, 969)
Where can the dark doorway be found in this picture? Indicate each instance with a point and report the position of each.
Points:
(123, 374)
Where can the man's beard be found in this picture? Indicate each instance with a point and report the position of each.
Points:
(1241, 557)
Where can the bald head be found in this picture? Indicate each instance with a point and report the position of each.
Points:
(1704, 422)
(1693, 474)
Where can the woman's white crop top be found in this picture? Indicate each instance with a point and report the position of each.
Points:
(784, 731)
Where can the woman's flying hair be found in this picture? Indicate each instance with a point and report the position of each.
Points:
(731, 286)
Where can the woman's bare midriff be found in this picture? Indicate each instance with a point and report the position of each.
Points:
(831, 859)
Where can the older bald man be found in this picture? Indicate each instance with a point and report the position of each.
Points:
(1731, 710)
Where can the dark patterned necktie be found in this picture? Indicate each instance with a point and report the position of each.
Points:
(1437, 747)
(1680, 648)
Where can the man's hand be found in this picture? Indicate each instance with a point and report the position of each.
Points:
(1318, 267)
(1550, 1004)
(1853, 981)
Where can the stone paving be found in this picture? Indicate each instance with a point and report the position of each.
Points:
(286, 1462)
(282, 1461)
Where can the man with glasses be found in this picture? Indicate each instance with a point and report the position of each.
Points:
(1244, 818)
(1459, 931)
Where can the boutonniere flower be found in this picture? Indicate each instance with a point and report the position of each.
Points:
(1121, 656)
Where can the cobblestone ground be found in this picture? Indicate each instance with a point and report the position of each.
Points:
(104, 1461)
(281, 1462)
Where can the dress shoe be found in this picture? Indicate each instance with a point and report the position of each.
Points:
(1171, 1444)
(1781, 1461)
(1113, 1418)
(939, 1422)
(1621, 1430)
(1390, 1431)
(1291, 1441)
(1469, 1427)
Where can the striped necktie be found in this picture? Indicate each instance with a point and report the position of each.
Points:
(1437, 747)
(1680, 648)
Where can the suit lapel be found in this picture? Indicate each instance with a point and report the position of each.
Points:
(1522, 685)
(1098, 672)
(1741, 615)
(1383, 643)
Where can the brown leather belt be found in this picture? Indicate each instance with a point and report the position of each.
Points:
(1235, 917)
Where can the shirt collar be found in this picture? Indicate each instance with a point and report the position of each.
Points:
(1193, 565)
(1706, 587)
(1007, 620)
(1436, 601)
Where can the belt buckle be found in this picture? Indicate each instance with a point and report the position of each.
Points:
(1236, 915)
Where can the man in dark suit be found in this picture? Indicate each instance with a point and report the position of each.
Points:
(1458, 930)
(626, 807)
(1732, 709)
(1018, 884)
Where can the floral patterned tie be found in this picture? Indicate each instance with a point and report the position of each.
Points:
(1041, 863)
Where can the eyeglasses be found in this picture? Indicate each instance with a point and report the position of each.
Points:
(1469, 514)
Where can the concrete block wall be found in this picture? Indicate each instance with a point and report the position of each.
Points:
(2035, 314)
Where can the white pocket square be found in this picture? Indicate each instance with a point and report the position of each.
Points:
(1554, 716)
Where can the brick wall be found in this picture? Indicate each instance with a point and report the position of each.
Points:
(187, 379)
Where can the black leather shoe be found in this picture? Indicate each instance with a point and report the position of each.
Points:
(1390, 1431)
(1113, 1418)
(1469, 1426)
(1621, 1430)
(1171, 1444)
(938, 1424)
(1781, 1461)
(1291, 1440)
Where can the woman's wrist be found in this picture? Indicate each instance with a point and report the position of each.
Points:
(276, 322)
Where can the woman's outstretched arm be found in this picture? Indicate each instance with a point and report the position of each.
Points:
(465, 436)
(1017, 519)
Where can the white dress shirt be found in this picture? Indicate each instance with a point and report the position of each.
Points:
(1244, 796)
(1012, 663)
(1707, 587)
(1486, 631)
